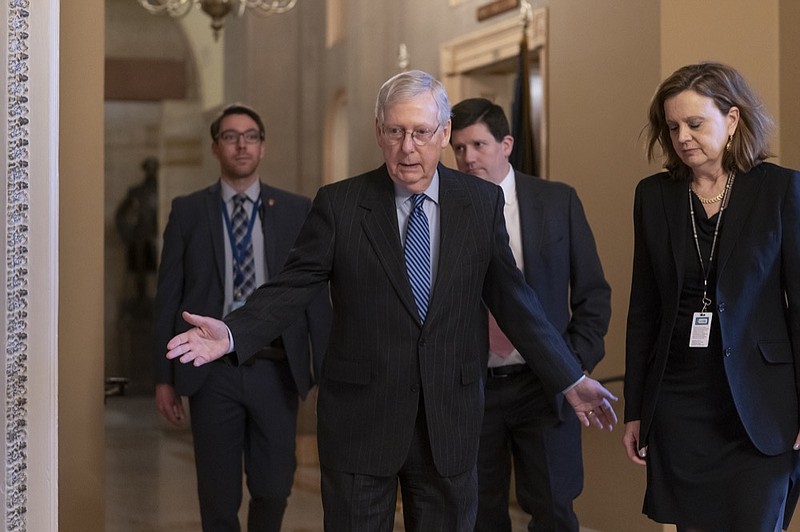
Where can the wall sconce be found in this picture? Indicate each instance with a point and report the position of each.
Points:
(217, 9)
(403, 59)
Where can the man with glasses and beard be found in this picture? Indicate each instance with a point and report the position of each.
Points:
(220, 243)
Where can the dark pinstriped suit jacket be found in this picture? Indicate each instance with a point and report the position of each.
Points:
(380, 360)
(192, 277)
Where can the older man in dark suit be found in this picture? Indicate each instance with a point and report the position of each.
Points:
(554, 247)
(210, 263)
(411, 250)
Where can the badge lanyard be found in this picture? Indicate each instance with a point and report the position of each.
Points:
(238, 252)
(701, 321)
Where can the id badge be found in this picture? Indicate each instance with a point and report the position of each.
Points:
(701, 329)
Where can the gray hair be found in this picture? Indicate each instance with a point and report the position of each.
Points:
(407, 85)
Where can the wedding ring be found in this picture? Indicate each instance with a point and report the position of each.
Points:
(590, 413)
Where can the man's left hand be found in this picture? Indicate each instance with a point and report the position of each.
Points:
(592, 404)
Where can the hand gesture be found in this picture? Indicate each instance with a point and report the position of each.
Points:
(204, 343)
(591, 402)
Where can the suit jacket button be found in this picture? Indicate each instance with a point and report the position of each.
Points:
(415, 388)
(728, 351)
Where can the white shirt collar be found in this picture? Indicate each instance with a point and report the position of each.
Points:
(509, 186)
(252, 192)
(401, 195)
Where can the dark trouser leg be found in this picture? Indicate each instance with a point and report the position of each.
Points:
(494, 465)
(549, 472)
(547, 459)
(218, 421)
(519, 421)
(269, 447)
(358, 503)
(432, 502)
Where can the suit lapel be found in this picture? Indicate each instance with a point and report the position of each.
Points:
(453, 214)
(531, 221)
(269, 223)
(379, 224)
(213, 202)
(676, 210)
(743, 195)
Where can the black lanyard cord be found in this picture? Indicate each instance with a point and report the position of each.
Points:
(723, 206)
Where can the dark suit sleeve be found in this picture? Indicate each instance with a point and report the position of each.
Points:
(590, 294)
(280, 302)
(643, 314)
(318, 316)
(791, 270)
(520, 314)
(169, 294)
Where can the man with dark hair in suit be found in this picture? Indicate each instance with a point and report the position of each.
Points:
(554, 247)
(220, 243)
(411, 249)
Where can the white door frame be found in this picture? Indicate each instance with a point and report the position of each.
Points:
(492, 45)
(29, 157)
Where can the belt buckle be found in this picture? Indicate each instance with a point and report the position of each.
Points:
(497, 375)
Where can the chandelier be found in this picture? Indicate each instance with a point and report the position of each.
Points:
(217, 9)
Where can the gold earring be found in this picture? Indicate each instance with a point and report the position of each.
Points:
(728, 145)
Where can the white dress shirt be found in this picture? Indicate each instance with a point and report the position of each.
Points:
(511, 214)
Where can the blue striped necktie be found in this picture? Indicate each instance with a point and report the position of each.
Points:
(244, 266)
(418, 255)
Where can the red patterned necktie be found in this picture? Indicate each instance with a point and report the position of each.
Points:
(499, 343)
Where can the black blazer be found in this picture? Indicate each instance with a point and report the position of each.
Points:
(757, 300)
(380, 360)
(561, 264)
(191, 277)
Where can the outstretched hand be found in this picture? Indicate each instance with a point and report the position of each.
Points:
(592, 404)
(205, 342)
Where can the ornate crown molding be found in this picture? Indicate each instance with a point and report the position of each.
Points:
(17, 224)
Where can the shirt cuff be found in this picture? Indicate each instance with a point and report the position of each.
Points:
(565, 390)
(230, 342)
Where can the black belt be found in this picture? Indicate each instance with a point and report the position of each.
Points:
(502, 372)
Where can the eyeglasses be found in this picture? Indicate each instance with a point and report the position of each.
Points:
(251, 136)
(420, 136)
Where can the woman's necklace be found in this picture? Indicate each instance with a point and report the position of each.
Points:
(708, 201)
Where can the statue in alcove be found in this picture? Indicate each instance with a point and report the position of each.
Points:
(137, 225)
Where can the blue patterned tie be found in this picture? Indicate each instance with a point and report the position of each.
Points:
(244, 269)
(418, 255)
